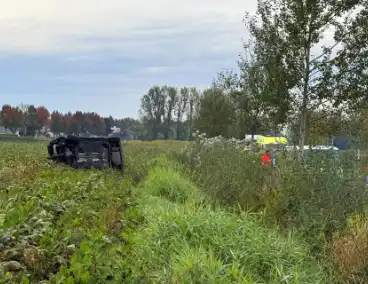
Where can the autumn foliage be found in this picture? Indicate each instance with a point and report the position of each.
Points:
(33, 118)
(11, 117)
(43, 116)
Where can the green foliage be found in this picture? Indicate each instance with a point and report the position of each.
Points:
(316, 198)
(189, 243)
(228, 175)
(163, 110)
(287, 33)
(170, 184)
(313, 198)
(215, 113)
(60, 225)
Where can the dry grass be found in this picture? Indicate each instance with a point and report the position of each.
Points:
(349, 251)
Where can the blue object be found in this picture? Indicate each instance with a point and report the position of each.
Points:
(340, 142)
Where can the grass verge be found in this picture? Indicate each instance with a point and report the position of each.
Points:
(184, 241)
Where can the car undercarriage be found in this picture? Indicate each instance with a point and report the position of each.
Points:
(85, 152)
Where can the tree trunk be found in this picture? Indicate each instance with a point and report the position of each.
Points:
(254, 129)
(304, 108)
(168, 125)
(303, 127)
(190, 129)
(178, 128)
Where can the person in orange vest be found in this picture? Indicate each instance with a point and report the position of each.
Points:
(266, 159)
(266, 162)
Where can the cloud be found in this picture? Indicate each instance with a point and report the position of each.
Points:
(104, 55)
(49, 26)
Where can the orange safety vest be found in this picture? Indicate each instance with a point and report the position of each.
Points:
(266, 159)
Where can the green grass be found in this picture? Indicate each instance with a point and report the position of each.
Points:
(172, 220)
(169, 183)
(184, 241)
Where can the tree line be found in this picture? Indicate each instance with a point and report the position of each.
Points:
(30, 120)
(286, 77)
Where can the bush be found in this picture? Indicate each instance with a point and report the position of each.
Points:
(316, 198)
(229, 176)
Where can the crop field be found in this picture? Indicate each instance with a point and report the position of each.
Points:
(181, 213)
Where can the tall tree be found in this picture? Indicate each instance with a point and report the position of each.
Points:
(72, 123)
(171, 103)
(192, 107)
(109, 123)
(215, 113)
(56, 123)
(288, 31)
(153, 109)
(98, 126)
(181, 108)
(43, 116)
(349, 67)
(31, 120)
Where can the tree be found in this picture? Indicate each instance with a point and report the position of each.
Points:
(171, 104)
(349, 66)
(80, 122)
(215, 113)
(180, 110)
(11, 118)
(193, 105)
(42, 116)
(31, 120)
(288, 30)
(24, 109)
(97, 124)
(56, 122)
(254, 98)
(5, 108)
(72, 123)
(109, 123)
(153, 109)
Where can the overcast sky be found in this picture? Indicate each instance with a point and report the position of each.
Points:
(102, 56)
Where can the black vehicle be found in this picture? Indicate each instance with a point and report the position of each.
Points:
(86, 152)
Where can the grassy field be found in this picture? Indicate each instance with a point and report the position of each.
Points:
(180, 214)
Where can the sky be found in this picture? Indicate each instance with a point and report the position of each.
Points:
(103, 56)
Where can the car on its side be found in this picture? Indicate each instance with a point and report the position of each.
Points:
(87, 152)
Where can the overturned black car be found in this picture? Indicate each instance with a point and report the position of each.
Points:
(85, 152)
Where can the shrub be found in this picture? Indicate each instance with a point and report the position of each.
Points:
(316, 198)
(229, 176)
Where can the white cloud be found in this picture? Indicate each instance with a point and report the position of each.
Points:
(41, 26)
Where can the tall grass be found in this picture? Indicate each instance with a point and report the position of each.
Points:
(314, 198)
(184, 241)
